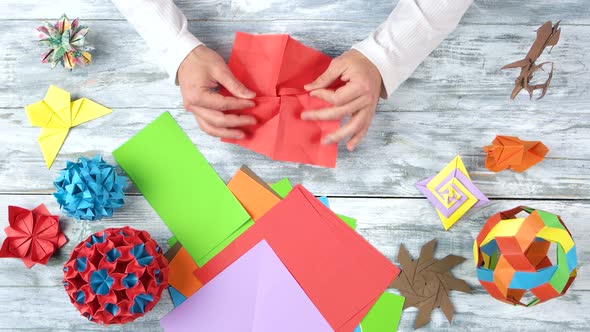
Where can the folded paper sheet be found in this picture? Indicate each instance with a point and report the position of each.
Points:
(451, 192)
(256, 293)
(55, 114)
(511, 254)
(514, 153)
(426, 282)
(277, 67)
(309, 238)
(183, 188)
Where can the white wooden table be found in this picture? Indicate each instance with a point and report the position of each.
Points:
(455, 103)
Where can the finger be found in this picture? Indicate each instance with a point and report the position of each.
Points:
(219, 132)
(341, 96)
(223, 120)
(215, 101)
(324, 80)
(356, 139)
(235, 87)
(347, 130)
(336, 112)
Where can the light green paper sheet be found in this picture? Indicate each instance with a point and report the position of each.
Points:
(384, 315)
(178, 182)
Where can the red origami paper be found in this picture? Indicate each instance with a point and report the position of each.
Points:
(277, 67)
(33, 236)
(341, 273)
(511, 152)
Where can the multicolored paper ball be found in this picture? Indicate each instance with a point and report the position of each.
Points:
(90, 189)
(512, 256)
(65, 41)
(116, 275)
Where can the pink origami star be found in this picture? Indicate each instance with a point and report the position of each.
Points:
(33, 236)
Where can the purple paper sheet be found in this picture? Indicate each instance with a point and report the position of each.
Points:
(254, 294)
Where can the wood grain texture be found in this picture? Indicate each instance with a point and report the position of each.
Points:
(400, 149)
(481, 12)
(462, 75)
(386, 223)
(455, 103)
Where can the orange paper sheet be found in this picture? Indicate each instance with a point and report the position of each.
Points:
(254, 195)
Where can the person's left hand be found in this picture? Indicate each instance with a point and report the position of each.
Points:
(357, 98)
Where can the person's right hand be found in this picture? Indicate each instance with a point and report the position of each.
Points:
(199, 75)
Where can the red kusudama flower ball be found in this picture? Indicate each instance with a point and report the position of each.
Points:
(116, 275)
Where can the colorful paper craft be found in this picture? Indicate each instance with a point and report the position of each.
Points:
(55, 114)
(66, 43)
(32, 235)
(309, 238)
(514, 153)
(511, 256)
(426, 282)
(90, 189)
(451, 192)
(256, 293)
(115, 275)
(277, 67)
(183, 188)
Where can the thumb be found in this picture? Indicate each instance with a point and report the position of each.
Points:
(325, 79)
(235, 87)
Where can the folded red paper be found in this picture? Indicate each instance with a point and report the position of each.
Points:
(32, 235)
(341, 273)
(277, 67)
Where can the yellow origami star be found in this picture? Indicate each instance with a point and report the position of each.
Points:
(55, 114)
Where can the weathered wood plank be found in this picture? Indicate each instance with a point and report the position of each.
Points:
(36, 296)
(462, 75)
(400, 149)
(481, 12)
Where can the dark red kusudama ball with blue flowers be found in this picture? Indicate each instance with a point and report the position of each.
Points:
(116, 275)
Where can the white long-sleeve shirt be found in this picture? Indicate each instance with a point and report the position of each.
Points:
(397, 47)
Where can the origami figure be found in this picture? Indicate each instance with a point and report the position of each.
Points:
(426, 282)
(277, 67)
(510, 254)
(66, 41)
(33, 236)
(451, 192)
(511, 152)
(55, 114)
(116, 275)
(547, 35)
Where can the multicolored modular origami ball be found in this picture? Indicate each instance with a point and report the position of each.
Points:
(511, 256)
(66, 43)
(90, 189)
(116, 275)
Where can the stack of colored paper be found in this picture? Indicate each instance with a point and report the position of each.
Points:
(268, 257)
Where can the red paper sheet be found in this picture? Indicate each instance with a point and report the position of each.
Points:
(277, 67)
(341, 272)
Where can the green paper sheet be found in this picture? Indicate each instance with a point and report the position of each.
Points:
(183, 188)
(282, 187)
(384, 315)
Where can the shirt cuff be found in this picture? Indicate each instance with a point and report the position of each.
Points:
(177, 51)
(378, 56)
